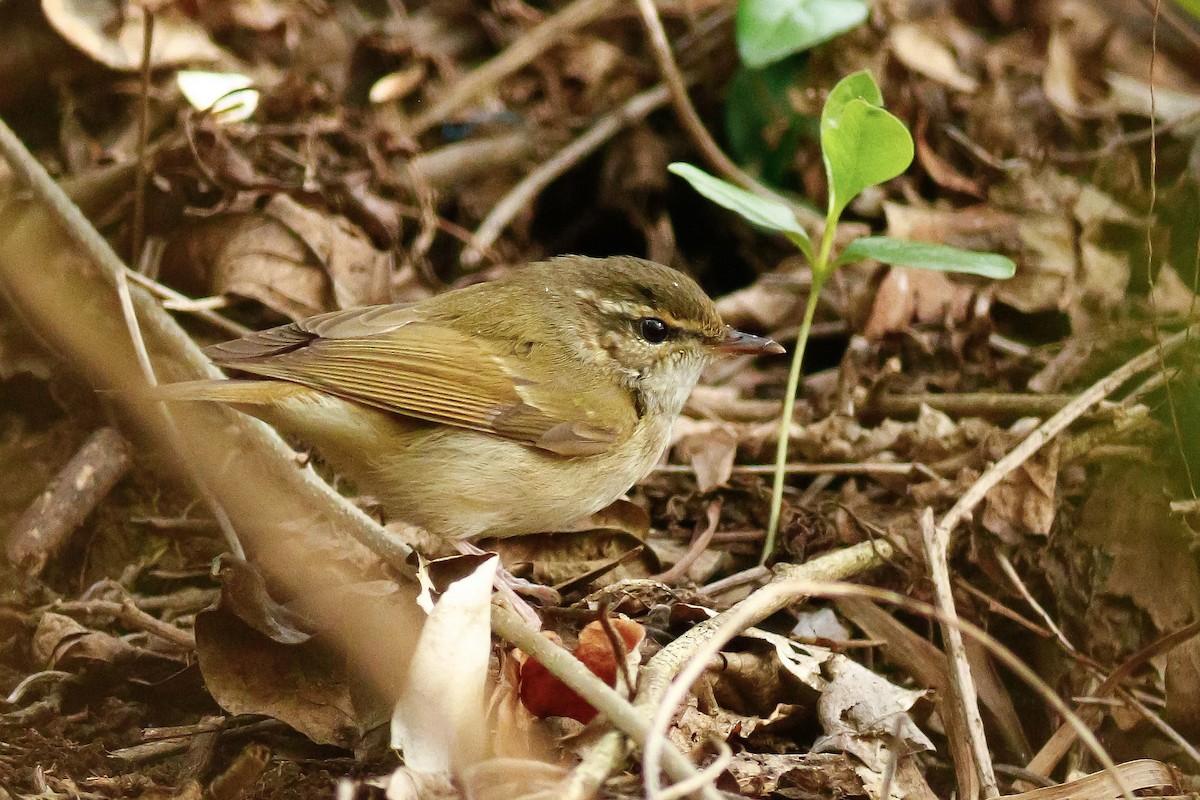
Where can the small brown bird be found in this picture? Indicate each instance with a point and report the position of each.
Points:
(503, 408)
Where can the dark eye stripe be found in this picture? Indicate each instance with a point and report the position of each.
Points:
(653, 330)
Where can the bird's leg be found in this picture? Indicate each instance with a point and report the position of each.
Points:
(510, 587)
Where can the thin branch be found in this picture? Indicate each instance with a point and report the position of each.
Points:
(509, 626)
(523, 50)
(1054, 426)
(962, 683)
(694, 127)
(522, 194)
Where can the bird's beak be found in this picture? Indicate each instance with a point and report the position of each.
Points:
(738, 342)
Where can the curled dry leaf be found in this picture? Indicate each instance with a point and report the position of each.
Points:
(302, 685)
(450, 663)
(908, 296)
(110, 31)
(1023, 502)
(709, 446)
(294, 260)
(866, 716)
(923, 49)
(244, 593)
(60, 642)
(546, 696)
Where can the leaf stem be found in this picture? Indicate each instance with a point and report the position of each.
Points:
(820, 271)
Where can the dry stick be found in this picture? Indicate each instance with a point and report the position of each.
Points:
(508, 624)
(185, 303)
(658, 673)
(143, 356)
(78, 488)
(361, 527)
(798, 468)
(692, 125)
(142, 175)
(525, 49)
(791, 588)
(519, 196)
(27, 170)
(962, 683)
(128, 612)
(1054, 426)
(939, 543)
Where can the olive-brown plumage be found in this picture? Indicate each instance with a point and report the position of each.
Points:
(503, 408)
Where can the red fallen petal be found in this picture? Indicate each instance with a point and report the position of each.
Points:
(546, 696)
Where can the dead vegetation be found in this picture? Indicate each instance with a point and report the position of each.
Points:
(986, 579)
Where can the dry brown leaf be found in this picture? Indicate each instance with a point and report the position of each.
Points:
(863, 714)
(557, 559)
(249, 255)
(60, 642)
(709, 447)
(1023, 502)
(923, 49)
(1183, 688)
(1127, 516)
(908, 296)
(110, 31)
(302, 685)
(805, 774)
(1078, 36)
(358, 272)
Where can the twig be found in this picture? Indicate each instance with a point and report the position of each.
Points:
(700, 542)
(268, 444)
(694, 127)
(519, 196)
(1006, 566)
(76, 490)
(143, 358)
(1053, 426)
(128, 612)
(798, 468)
(142, 174)
(972, 404)
(524, 49)
(961, 681)
(185, 303)
(509, 626)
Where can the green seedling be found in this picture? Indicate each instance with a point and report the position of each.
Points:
(862, 145)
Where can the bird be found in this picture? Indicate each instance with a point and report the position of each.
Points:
(508, 407)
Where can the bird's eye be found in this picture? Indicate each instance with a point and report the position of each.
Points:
(653, 330)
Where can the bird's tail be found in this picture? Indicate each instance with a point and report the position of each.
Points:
(230, 392)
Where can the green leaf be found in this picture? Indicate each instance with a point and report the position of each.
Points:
(1190, 6)
(764, 213)
(923, 255)
(770, 30)
(762, 125)
(859, 84)
(862, 145)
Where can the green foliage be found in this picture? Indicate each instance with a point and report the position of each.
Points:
(1190, 6)
(764, 130)
(862, 146)
(758, 211)
(770, 30)
(924, 255)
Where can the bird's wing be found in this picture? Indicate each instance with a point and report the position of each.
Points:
(392, 359)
